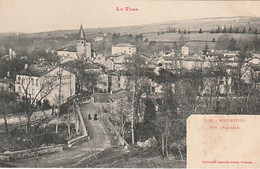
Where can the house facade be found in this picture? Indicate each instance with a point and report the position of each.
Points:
(123, 48)
(54, 84)
(68, 52)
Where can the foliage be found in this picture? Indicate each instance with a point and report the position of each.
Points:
(8, 104)
(147, 128)
(232, 44)
(13, 66)
(230, 30)
(206, 49)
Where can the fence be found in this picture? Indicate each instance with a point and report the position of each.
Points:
(78, 140)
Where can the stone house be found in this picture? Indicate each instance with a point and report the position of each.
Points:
(55, 84)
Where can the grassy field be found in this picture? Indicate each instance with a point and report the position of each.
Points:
(196, 36)
(135, 157)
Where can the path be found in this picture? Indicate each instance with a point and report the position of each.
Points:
(74, 157)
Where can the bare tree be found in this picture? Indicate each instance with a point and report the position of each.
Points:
(46, 86)
(136, 68)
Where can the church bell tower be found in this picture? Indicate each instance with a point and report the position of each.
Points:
(83, 46)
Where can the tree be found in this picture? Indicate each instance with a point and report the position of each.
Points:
(206, 49)
(230, 29)
(232, 44)
(237, 30)
(136, 69)
(176, 47)
(256, 31)
(115, 38)
(244, 30)
(224, 30)
(169, 123)
(218, 30)
(88, 81)
(212, 31)
(200, 31)
(141, 37)
(120, 113)
(8, 104)
(46, 85)
(213, 40)
(179, 31)
(242, 57)
(13, 66)
(184, 31)
(181, 40)
(249, 29)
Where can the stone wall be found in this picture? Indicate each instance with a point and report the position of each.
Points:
(29, 153)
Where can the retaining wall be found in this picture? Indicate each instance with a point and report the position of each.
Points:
(29, 153)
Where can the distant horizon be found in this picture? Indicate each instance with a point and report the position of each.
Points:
(74, 29)
(31, 16)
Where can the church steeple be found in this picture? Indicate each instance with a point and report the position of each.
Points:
(83, 46)
(81, 33)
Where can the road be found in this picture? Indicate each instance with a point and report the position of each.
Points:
(75, 156)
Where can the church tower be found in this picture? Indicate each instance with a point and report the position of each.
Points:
(83, 46)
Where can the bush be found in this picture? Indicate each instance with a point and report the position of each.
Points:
(53, 138)
(46, 104)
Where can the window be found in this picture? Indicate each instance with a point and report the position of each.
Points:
(257, 73)
(258, 85)
(153, 89)
(37, 82)
(32, 81)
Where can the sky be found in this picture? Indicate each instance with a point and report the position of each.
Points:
(47, 15)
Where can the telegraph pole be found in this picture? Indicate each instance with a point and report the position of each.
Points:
(59, 73)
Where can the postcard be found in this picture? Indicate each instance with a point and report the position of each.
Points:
(223, 141)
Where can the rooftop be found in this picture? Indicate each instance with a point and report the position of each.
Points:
(6, 80)
(68, 49)
(37, 71)
(81, 33)
(123, 45)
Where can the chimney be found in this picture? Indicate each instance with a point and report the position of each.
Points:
(25, 65)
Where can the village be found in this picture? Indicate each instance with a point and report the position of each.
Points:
(138, 93)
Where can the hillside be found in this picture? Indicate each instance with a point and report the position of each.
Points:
(207, 24)
(55, 39)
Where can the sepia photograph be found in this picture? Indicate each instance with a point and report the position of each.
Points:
(129, 84)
